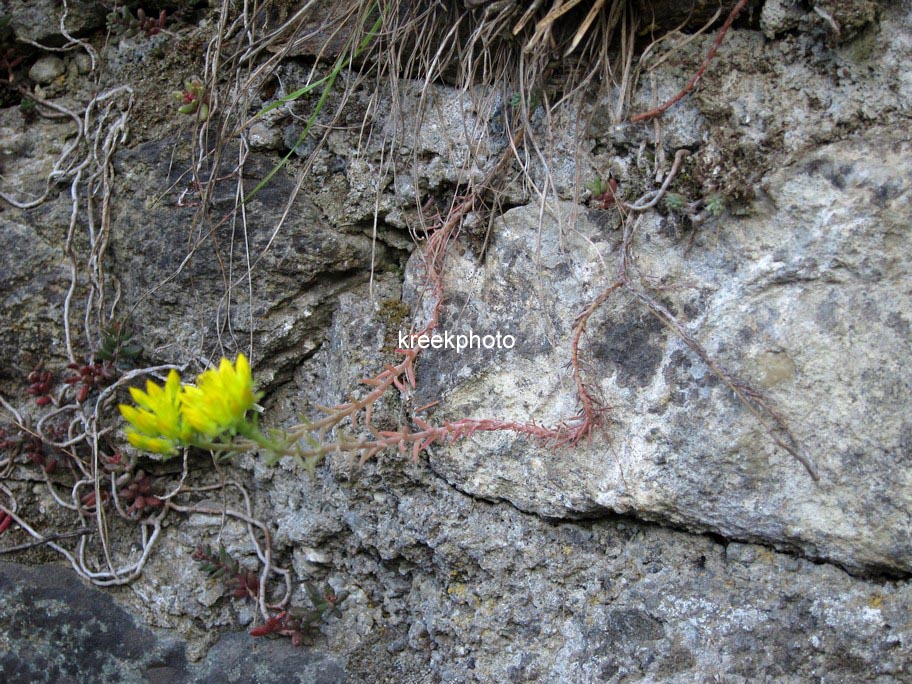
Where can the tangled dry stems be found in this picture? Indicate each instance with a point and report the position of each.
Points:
(85, 165)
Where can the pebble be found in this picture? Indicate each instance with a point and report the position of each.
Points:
(83, 62)
(46, 69)
(264, 137)
(397, 646)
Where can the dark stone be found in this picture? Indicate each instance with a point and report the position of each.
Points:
(671, 14)
(60, 629)
(240, 658)
(39, 20)
(634, 345)
(633, 625)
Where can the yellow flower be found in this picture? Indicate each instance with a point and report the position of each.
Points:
(158, 424)
(157, 445)
(220, 400)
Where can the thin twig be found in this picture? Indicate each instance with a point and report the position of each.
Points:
(51, 537)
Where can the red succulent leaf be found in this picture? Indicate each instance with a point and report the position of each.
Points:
(271, 626)
(5, 521)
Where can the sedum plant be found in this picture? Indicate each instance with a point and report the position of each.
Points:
(208, 414)
(193, 99)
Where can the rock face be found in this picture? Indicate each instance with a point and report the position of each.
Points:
(46, 69)
(190, 285)
(462, 589)
(800, 291)
(60, 630)
(32, 282)
(681, 544)
(805, 299)
(39, 20)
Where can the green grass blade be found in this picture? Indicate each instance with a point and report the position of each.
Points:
(328, 81)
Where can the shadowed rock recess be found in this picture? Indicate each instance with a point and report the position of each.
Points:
(679, 545)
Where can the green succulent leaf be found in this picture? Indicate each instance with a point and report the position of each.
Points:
(597, 186)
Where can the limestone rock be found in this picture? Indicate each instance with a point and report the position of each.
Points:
(632, 559)
(46, 69)
(779, 16)
(806, 298)
(188, 284)
(39, 20)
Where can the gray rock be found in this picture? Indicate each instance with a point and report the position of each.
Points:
(804, 298)
(236, 660)
(33, 275)
(779, 16)
(483, 592)
(302, 267)
(501, 594)
(46, 69)
(265, 137)
(58, 629)
(503, 560)
(31, 283)
(39, 20)
(83, 63)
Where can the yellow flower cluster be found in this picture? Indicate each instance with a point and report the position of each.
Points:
(157, 423)
(176, 415)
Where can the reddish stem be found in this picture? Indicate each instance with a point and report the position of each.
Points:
(696, 77)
